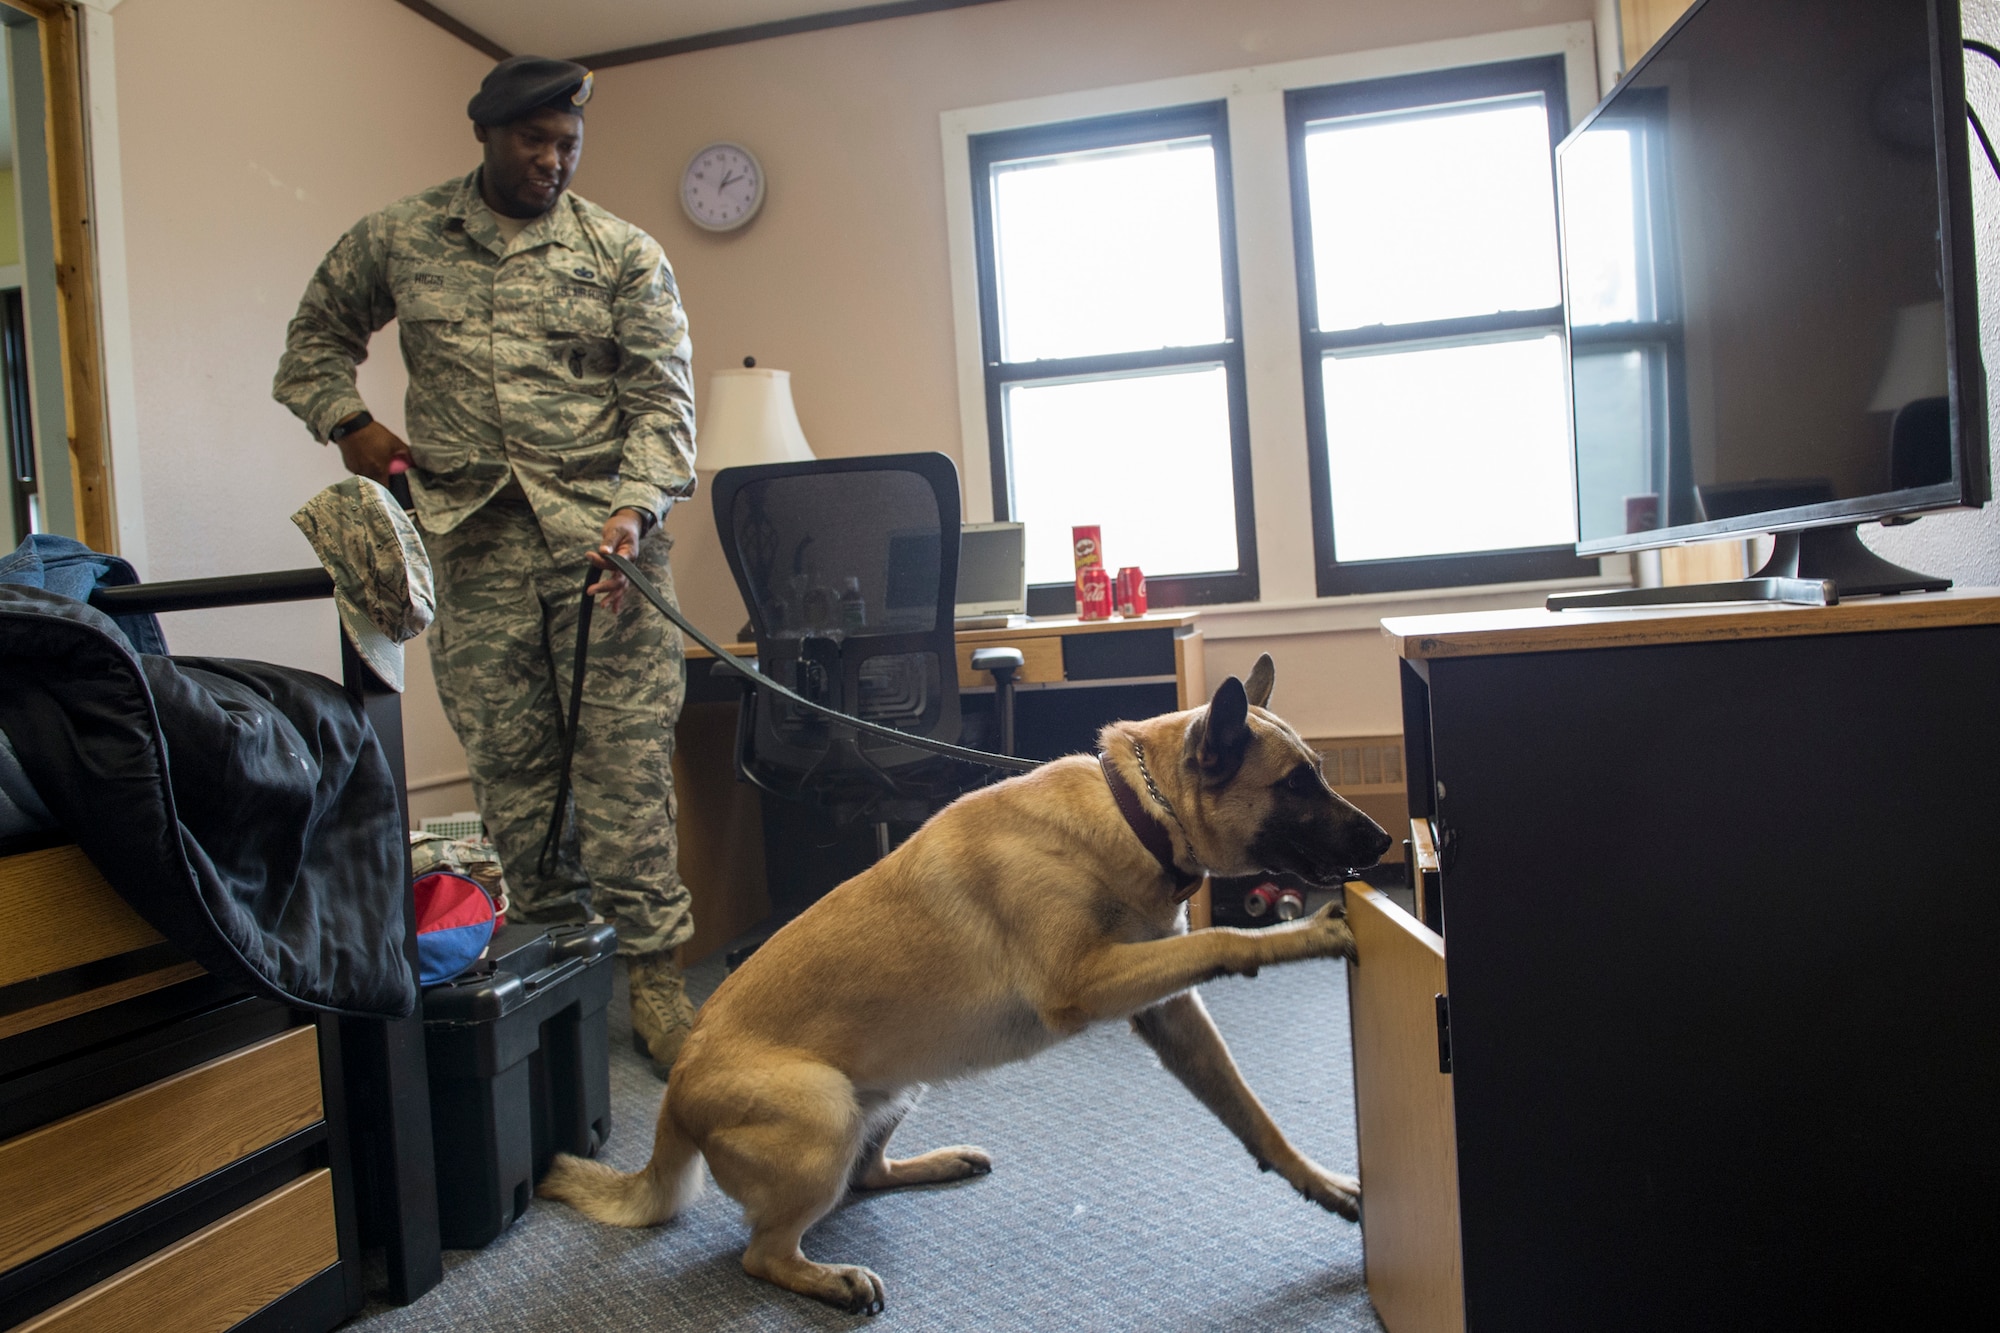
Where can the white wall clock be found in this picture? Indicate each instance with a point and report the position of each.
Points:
(723, 187)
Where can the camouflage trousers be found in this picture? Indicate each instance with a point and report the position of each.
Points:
(502, 647)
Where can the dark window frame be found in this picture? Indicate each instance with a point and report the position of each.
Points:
(1202, 119)
(1409, 92)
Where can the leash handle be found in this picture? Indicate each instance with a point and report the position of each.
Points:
(552, 844)
(1002, 762)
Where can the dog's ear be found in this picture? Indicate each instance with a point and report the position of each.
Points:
(1262, 677)
(1225, 733)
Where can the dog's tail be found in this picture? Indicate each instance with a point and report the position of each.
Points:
(646, 1197)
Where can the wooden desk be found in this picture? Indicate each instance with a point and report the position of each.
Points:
(1717, 891)
(1078, 676)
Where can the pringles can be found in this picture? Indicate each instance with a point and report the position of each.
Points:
(1129, 591)
(1087, 544)
(1093, 593)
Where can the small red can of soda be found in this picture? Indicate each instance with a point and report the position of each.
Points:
(1093, 593)
(1129, 592)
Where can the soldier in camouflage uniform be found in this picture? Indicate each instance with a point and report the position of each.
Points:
(551, 415)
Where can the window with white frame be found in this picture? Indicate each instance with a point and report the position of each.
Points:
(1391, 371)
(1430, 307)
(1112, 350)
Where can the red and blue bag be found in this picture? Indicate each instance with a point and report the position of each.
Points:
(455, 920)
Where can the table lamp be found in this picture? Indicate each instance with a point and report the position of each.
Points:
(748, 419)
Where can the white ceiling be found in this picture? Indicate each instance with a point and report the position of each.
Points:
(582, 27)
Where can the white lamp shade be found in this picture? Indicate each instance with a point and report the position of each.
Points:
(749, 418)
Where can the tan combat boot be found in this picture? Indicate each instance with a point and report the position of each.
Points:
(661, 1014)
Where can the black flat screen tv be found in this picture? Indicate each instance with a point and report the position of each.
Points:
(1770, 290)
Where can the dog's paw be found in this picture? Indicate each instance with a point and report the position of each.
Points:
(851, 1287)
(941, 1164)
(1327, 933)
(1333, 1192)
(971, 1161)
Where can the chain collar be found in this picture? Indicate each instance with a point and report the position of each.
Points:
(1153, 790)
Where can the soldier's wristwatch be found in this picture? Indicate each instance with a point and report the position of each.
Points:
(348, 427)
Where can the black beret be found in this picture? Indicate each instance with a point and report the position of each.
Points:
(520, 84)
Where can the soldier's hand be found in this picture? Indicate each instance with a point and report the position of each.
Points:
(369, 451)
(621, 535)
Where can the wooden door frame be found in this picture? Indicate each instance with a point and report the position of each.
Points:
(84, 408)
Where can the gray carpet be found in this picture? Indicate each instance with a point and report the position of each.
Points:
(1116, 1202)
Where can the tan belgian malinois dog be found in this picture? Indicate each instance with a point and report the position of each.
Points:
(1014, 918)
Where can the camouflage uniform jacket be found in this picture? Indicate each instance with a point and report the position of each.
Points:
(559, 361)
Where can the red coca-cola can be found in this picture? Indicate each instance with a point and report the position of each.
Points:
(1129, 592)
(1093, 593)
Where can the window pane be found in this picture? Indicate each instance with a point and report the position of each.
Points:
(1603, 253)
(1145, 457)
(1448, 449)
(1439, 214)
(1114, 250)
(1614, 445)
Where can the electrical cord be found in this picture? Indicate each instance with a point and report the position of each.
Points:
(1992, 54)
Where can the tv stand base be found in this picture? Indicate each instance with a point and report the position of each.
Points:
(1816, 567)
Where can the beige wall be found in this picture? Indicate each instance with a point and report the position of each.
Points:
(253, 133)
(843, 280)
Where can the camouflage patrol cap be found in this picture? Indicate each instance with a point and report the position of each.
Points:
(381, 573)
(520, 84)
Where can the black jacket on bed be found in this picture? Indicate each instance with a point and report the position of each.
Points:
(245, 810)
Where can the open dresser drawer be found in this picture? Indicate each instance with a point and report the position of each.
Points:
(1403, 1118)
(166, 1155)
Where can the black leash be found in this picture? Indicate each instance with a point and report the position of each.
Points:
(545, 862)
(1002, 762)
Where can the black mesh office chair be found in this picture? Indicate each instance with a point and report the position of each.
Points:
(849, 568)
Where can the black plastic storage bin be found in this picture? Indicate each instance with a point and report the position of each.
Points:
(519, 1071)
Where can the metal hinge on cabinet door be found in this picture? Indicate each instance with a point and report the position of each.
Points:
(1444, 1033)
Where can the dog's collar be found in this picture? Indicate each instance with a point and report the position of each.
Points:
(1152, 834)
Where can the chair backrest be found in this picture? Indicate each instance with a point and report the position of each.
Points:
(849, 567)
